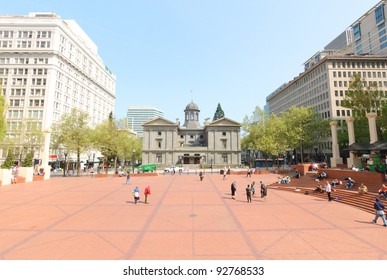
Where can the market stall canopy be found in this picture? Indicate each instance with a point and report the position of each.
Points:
(365, 146)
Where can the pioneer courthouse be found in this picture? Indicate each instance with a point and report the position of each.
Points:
(217, 143)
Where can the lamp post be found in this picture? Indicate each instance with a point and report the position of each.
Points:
(64, 167)
(133, 159)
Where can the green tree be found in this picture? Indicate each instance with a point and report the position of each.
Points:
(106, 140)
(26, 137)
(299, 127)
(73, 133)
(115, 141)
(304, 128)
(264, 133)
(9, 160)
(218, 113)
(3, 123)
(362, 98)
(28, 160)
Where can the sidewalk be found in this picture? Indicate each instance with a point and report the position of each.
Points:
(95, 218)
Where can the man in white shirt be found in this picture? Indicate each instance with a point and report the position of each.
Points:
(328, 190)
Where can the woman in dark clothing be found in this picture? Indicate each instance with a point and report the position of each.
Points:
(233, 190)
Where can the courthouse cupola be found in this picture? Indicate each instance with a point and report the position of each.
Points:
(191, 116)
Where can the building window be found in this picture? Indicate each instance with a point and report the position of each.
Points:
(223, 133)
(159, 144)
(181, 136)
(224, 144)
(159, 158)
(379, 14)
(356, 31)
(225, 158)
(159, 133)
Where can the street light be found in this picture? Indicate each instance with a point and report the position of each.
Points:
(64, 168)
(133, 158)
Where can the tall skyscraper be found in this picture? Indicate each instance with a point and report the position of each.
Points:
(49, 66)
(137, 115)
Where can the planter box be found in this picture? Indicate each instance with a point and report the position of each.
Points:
(5, 176)
(38, 178)
(27, 173)
(20, 179)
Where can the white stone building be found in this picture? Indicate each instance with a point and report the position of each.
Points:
(48, 66)
(169, 143)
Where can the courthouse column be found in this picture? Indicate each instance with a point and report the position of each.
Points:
(372, 127)
(335, 159)
(351, 140)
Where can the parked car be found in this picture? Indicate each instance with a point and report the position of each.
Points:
(174, 168)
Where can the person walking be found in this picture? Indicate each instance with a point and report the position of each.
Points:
(92, 171)
(225, 175)
(263, 191)
(379, 208)
(136, 195)
(233, 189)
(201, 175)
(248, 194)
(253, 188)
(328, 190)
(128, 182)
(147, 192)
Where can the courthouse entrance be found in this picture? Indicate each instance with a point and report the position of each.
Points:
(192, 159)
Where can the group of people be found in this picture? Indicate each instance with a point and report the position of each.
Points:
(250, 190)
(284, 179)
(136, 194)
(322, 175)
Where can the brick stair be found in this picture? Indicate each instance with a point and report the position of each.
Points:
(350, 197)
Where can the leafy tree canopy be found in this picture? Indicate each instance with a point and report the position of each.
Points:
(73, 133)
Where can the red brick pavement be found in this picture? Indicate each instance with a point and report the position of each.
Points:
(187, 219)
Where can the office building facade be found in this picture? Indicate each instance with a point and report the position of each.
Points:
(137, 115)
(361, 49)
(48, 66)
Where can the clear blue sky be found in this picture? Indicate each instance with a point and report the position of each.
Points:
(166, 53)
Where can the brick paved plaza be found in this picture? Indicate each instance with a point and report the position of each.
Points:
(95, 218)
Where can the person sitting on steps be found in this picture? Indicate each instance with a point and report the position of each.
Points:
(362, 189)
(350, 183)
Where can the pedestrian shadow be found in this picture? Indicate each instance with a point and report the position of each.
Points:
(368, 222)
(138, 202)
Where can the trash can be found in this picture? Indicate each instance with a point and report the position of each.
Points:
(221, 172)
